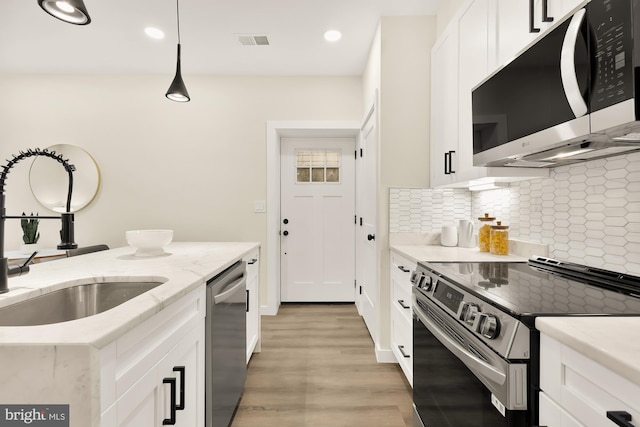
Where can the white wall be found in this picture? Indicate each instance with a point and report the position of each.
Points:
(196, 168)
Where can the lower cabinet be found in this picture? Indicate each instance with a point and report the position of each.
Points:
(578, 391)
(253, 303)
(401, 315)
(154, 374)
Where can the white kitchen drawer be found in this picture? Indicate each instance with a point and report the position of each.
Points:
(402, 343)
(584, 388)
(552, 415)
(401, 270)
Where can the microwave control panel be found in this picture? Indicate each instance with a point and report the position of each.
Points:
(611, 33)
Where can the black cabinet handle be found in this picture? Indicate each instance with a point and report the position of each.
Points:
(171, 421)
(181, 371)
(285, 233)
(252, 261)
(247, 300)
(545, 12)
(371, 237)
(451, 153)
(532, 28)
(620, 418)
(401, 348)
(448, 168)
(401, 302)
(403, 269)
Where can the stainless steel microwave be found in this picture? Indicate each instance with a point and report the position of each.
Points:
(572, 96)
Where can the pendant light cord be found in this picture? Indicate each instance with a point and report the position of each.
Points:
(178, 17)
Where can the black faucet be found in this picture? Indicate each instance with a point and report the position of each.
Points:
(67, 231)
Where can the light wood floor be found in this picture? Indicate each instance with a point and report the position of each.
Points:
(317, 368)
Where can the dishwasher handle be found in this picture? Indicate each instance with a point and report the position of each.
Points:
(224, 296)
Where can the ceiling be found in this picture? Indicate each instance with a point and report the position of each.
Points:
(31, 41)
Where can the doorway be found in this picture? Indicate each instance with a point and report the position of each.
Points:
(317, 205)
(276, 131)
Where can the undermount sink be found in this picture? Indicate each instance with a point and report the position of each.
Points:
(74, 302)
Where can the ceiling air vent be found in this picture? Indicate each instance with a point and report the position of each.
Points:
(253, 40)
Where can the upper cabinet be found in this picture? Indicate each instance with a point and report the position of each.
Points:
(444, 110)
(461, 58)
(520, 22)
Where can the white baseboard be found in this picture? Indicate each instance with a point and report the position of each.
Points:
(385, 355)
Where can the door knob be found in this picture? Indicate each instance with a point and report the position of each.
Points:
(371, 237)
(285, 233)
(285, 221)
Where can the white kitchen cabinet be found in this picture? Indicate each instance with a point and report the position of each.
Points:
(444, 108)
(463, 56)
(401, 313)
(515, 26)
(253, 305)
(578, 391)
(161, 357)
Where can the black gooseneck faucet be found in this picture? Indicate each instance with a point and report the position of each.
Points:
(67, 231)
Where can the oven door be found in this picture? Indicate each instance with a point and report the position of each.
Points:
(457, 380)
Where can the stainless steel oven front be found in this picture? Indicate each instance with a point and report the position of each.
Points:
(459, 381)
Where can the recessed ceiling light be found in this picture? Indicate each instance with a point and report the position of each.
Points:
(154, 33)
(332, 35)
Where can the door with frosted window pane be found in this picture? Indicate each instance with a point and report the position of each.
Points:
(317, 225)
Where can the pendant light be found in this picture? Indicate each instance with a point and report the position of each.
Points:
(178, 91)
(71, 11)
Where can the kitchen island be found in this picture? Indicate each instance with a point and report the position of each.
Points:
(91, 363)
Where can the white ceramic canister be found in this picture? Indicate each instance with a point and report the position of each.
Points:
(465, 234)
(449, 236)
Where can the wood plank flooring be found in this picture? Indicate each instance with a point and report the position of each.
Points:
(317, 368)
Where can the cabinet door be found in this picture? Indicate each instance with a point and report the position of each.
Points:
(173, 389)
(474, 35)
(253, 308)
(444, 108)
(185, 363)
(518, 27)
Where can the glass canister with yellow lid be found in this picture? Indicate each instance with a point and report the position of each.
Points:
(499, 239)
(484, 232)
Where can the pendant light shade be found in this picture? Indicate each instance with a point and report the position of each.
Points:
(178, 91)
(71, 11)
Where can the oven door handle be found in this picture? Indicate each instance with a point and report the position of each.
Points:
(469, 359)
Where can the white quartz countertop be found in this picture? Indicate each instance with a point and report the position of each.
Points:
(184, 267)
(614, 342)
(436, 253)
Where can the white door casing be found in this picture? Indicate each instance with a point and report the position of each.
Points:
(317, 219)
(366, 251)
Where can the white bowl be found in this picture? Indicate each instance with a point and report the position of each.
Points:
(149, 242)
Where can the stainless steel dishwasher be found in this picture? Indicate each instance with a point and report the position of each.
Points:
(225, 344)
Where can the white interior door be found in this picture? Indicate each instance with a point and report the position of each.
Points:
(317, 219)
(366, 260)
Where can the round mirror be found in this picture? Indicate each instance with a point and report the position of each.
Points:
(50, 181)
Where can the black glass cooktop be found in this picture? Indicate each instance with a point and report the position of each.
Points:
(547, 288)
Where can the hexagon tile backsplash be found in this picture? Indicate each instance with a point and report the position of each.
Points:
(587, 213)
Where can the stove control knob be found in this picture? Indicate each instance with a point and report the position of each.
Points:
(415, 277)
(489, 326)
(469, 312)
(427, 284)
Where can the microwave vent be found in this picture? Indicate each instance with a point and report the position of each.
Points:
(529, 164)
(630, 137)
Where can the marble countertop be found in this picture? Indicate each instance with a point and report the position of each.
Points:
(614, 342)
(435, 253)
(184, 267)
